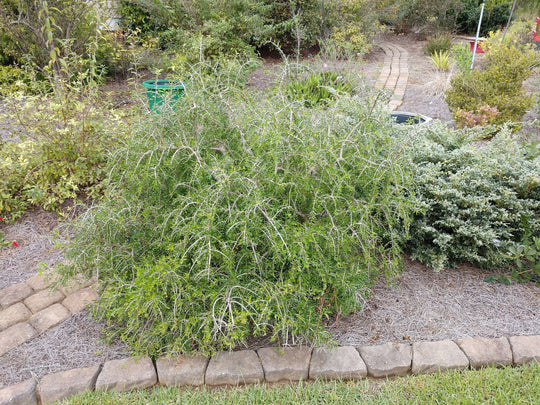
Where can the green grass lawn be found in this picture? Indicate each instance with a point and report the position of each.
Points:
(520, 385)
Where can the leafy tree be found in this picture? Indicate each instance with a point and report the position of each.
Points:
(208, 27)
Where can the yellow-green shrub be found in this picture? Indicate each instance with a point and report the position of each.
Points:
(12, 80)
(499, 84)
(59, 146)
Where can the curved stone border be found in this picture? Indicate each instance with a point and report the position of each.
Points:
(31, 308)
(395, 72)
(278, 364)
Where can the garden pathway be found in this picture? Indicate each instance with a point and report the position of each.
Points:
(395, 72)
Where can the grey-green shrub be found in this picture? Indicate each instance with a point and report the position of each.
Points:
(235, 216)
(477, 201)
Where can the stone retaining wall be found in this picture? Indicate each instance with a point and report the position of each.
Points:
(278, 364)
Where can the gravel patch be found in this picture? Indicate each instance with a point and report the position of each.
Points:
(36, 239)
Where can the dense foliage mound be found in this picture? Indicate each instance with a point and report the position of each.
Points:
(233, 217)
(319, 88)
(480, 203)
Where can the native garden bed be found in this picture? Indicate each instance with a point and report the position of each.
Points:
(277, 202)
(419, 304)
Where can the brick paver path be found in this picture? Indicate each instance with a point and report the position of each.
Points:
(395, 72)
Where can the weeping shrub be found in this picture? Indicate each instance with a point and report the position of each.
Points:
(235, 217)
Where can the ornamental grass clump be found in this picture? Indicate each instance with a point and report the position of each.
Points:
(236, 217)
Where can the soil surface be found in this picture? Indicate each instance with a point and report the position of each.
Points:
(419, 305)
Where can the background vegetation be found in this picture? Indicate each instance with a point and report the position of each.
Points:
(225, 28)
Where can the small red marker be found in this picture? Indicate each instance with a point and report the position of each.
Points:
(15, 243)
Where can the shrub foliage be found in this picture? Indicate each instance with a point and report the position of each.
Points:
(479, 202)
(319, 88)
(235, 217)
(58, 145)
(496, 14)
(41, 30)
(239, 27)
(499, 84)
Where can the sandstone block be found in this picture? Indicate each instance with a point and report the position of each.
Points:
(13, 314)
(41, 281)
(127, 374)
(429, 357)
(389, 359)
(13, 294)
(15, 336)
(182, 370)
(338, 363)
(234, 368)
(78, 300)
(285, 363)
(43, 299)
(49, 317)
(525, 349)
(23, 393)
(57, 386)
(75, 284)
(486, 352)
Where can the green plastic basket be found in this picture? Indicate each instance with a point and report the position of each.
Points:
(163, 93)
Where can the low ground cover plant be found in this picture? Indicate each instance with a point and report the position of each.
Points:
(235, 216)
(479, 203)
(319, 88)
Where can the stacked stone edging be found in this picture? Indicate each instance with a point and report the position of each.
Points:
(273, 364)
